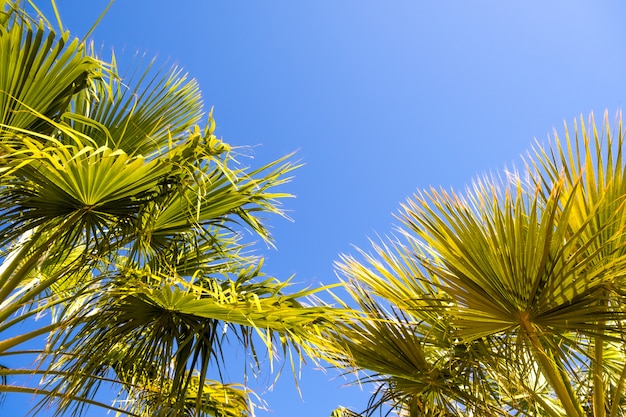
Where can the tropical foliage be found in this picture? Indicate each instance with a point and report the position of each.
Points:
(121, 220)
(123, 263)
(506, 299)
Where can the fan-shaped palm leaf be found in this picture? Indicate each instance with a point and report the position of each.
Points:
(39, 70)
(522, 276)
(172, 330)
(145, 114)
(100, 179)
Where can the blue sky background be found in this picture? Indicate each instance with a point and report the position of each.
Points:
(380, 99)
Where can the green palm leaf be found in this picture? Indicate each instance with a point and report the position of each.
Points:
(146, 113)
(517, 282)
(39, 70)
(121, 218)
(173, 330)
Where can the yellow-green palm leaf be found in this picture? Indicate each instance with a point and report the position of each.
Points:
(517, 282)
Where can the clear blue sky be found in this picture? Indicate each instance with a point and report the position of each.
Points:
(380, 98)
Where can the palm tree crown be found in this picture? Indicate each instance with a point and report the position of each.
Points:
(120, 222)
(503, 300)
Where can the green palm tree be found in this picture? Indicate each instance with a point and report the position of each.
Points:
(506, 299)
(120, 225)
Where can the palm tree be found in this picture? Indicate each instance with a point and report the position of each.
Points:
(120, 225)
(506, 299)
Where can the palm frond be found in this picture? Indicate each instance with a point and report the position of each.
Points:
(523, 273)
(39, 70)
(146, 113)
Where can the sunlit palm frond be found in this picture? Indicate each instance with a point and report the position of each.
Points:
(100, 190)
(96, 201)
(592, 166)
(150, 398)
(591, 162)
(412, 351)
(512, 259)
(343, 412)
(515, 267)
(120, 226)
(55, 280)
(222, 198)
(39, 70)
(525, 273)
(172, 329)
(146, 113)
